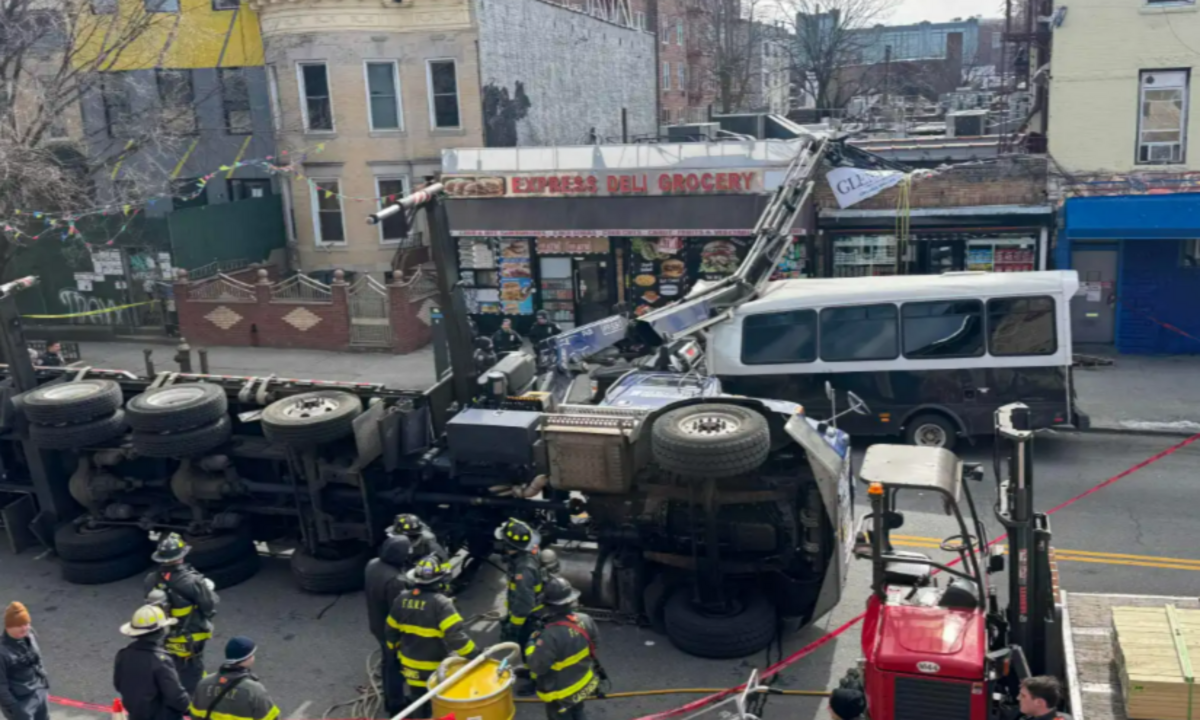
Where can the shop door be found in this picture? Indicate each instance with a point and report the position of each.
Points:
(1093, 310)
(594, 301)
(937, 256)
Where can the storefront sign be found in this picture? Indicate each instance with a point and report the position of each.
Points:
(573, 246)
(851, 185)
(693, 182)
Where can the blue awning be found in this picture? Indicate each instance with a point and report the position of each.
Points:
(1134, 217)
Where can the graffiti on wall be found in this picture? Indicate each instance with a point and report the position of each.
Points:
(501, 113)
(76, 302)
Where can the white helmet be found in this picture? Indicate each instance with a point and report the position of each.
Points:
(147, 619)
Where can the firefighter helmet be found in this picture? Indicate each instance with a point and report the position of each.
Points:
(171, 549)
(429, 570)
(559, 592)
(407, 524)
(147, 619)
(550, 563)
(517, 534)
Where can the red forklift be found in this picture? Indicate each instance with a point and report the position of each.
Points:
(944, 640)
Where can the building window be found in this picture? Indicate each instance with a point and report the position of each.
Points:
(161, 5)
(1191, 254)
(639, 20)
(1162, 123)
(665, 32)
(679, 32)
(780, 338)
(943, 329)
(383, 96)
(682, 77)
(318, 105)
(273, 96)
(443, 93)
(188, 193)
(666, 116)
(177, 98)
(248, 188)
(862, 332)
(328, 227)
(225, 4)
(393, 229)
(104, 7)
(1021, 326)
(235, 100)
(118, 105)
(666, 79)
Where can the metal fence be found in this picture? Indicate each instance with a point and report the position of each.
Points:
(301, 289)
(222, 288)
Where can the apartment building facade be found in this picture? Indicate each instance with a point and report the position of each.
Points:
(384, 88)
(1122, 89)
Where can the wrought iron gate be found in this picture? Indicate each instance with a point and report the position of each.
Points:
(370, 316)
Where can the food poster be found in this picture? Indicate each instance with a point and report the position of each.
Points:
(715, 258)
(656, 273)
(516, 277)
(793, 263)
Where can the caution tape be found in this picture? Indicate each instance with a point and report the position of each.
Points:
(821, 641)
(90, 312)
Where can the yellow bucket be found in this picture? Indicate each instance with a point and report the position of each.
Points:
(481, 695)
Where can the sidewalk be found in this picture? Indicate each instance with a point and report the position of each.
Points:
(413, 371)
(1142, 393)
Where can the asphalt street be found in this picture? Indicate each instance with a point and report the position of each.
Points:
(1136, 536)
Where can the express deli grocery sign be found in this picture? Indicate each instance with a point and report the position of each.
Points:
(697, 182)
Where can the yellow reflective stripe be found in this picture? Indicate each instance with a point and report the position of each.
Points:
(274, 713)
(577, 657)
(537, 588)
(421, 631)
(516, 620)
(416, 683)
(183, 611)
(194, 637)
(392, 623)
(196, 712)
(467, 649)
(529, 650)
(391, 646)
(568, 692)
(419, 664)
(512, 586)
(539, 607)
(449, 622)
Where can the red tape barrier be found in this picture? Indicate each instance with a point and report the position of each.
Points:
(820, 642)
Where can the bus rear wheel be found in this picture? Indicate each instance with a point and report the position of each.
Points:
(931, 430)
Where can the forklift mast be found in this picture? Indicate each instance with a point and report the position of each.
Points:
(1033, 616)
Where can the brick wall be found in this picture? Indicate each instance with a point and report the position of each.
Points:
(1013, 181)
(250, 316)
(1154, 285)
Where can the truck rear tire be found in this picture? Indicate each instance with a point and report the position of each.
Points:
(177, 407)
(311, 418)
(711, 440)
(336, 570)
(80, 435)
(99, 572)
(234, 573)
(183, 443)
(79, 543)
(72, 402)
(219, 549)
(749, 626)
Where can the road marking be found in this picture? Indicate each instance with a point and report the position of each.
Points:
(1080, 556)
(299, 712)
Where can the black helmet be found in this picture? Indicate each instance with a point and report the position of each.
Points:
(429, 570)
(542, 315)
(407, 524)
(517, 534)
(171, 549)
(559, 592)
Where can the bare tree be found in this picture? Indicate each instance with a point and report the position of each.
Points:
(725, 60)
(55, 55)
(830, 39)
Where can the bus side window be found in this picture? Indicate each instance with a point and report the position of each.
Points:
(944, 329)
(862, 332)
(780, 338)
(1022, 326)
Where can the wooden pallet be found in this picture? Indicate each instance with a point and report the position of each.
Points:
(1154, 649)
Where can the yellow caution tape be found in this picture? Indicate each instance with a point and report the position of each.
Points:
(90, 312)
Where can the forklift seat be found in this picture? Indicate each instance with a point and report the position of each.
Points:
(913, 574)
(960, 594)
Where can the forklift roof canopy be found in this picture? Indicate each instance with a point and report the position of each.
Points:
(915, 468)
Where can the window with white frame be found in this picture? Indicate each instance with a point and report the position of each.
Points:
(682, 77)
(665, 31)
(639, 20)
(679, 32)
(161, 5)
(317, 106)
(443, 94)
(328, 224)
(383, 95)
(389, 190)
(666, 79)
(1162, 120)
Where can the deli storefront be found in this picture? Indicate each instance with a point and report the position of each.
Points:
(578, 244)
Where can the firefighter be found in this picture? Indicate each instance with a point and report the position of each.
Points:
(561, 655)
(1039, 698)
(215, 697)
(520, 543)
(144, 673)
(423, 541)
(424, 627)
(384, 581)
(191, 601)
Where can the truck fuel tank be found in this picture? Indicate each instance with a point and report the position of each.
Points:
(502, 437)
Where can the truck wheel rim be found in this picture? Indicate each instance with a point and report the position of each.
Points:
(310, 407)
(714, 424)
(174, 396)
(931, 436)
(70, 391)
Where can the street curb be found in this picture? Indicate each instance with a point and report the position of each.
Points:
(1127, 431)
